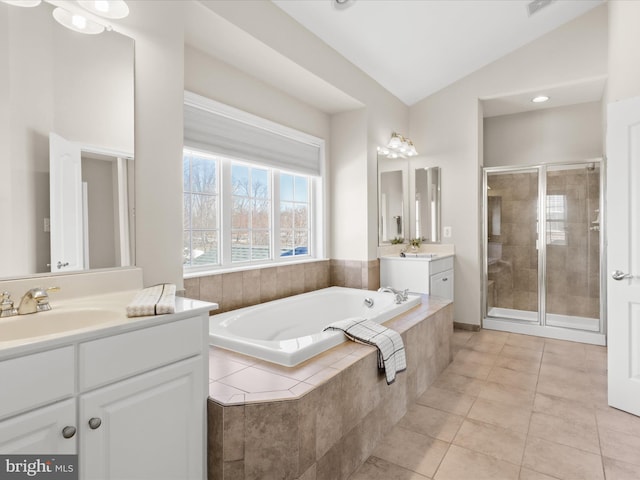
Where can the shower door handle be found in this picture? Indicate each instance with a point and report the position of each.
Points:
(618, 275)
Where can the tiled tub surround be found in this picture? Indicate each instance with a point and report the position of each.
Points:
(321, 419)
(234, 290)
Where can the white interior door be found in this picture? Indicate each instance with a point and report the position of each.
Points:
(66, 205)
(623, 254)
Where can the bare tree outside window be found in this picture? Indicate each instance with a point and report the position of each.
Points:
(251, 213)
(248, 206)
(200, 209)
(294, 215)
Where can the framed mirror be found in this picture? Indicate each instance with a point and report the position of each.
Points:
(426, 204)
(408, 200)
(393, 208)
(81, 88)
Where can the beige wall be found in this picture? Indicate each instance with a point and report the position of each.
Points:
(551, 135)
(447, 127)
(159, 93)
(348, 212)
(219, 81)
(624, 54)
(384, 114)
(160, 48)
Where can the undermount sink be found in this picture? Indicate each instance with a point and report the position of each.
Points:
(64, 320)
(421, 255)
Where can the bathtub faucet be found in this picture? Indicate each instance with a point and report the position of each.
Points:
(400, 296)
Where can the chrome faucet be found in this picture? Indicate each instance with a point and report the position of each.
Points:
(6, 306)
(400, 296)
(35, 300)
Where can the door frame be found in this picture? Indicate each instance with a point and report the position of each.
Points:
(541, 329)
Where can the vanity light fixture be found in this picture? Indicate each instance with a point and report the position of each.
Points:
(77, 22)
(398, 146)
(540, 99)
(23, 3)
(113, 9)
(83, 16)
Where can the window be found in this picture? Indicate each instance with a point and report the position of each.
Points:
(294, 215)
(201, 209)
(252, 189)
(251, 215)
(556, 219)
(251, 228)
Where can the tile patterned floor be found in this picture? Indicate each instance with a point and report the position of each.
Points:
(512, 407)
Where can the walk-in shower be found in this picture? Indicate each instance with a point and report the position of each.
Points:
(542, 237)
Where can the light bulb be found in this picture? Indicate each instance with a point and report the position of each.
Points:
(540, 99)
(101, 6)
(113, 9)
(79, 21)
(76, 22)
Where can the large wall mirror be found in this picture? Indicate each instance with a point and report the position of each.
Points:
(78, 89)
(393, 208)
(426, 204)
(408, 200)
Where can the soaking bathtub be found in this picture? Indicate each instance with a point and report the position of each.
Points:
(289, 331)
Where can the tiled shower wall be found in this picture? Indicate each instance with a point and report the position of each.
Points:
(513, 265)
(573, 267)
(250, 287)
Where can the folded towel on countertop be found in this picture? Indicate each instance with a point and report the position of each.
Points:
(391, 353)
(156, 300)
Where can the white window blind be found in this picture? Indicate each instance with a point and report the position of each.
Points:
(220, 129)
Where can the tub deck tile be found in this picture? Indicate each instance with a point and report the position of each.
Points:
(256, 380)
(322, 419)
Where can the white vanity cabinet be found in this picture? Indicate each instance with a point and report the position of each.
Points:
(40, 431)
(134, 401)
(422, 274)
(150, 424)
(148, 427)
(33, 409)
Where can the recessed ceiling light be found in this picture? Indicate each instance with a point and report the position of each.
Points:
(540, 99)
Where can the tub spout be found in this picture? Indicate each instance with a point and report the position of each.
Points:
(400, 296)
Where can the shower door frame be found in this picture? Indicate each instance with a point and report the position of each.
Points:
(541, 328)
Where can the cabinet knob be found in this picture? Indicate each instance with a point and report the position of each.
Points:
(94, 423)
(68, 432)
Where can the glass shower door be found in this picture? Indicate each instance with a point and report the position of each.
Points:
(542, 251)
(573, 246)
(512, 286)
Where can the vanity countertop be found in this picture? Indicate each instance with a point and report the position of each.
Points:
(85, 318)
(425, 257)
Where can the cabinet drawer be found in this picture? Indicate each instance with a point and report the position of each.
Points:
(442, 284)
(35, 380)
(110, 359)
(440, 265)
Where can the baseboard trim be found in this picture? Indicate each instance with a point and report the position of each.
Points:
(466, 326)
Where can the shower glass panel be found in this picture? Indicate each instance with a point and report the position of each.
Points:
(573, 246)
(543, 265)
(512, 257)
